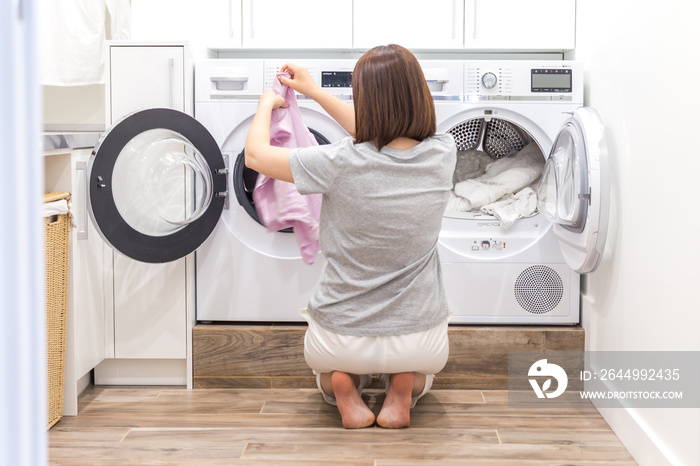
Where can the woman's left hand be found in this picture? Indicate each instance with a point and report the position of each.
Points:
(269, 98)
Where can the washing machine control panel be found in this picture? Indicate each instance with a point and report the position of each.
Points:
(335, 76)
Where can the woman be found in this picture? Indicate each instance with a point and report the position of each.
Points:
(380, 306)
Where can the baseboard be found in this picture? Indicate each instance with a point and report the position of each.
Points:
(141, 372)
(642, 445)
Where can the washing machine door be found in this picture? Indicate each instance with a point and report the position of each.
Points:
(156, 185)
(573, 192)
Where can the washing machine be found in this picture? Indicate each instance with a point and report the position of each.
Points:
(244, 272)
(528, 273)
(163, 184)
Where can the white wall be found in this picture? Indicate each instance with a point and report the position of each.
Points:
(642, 66)
(23, 413)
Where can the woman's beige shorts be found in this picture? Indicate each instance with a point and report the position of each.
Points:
(425, 352)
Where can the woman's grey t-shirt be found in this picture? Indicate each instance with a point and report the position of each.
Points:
(380, 220)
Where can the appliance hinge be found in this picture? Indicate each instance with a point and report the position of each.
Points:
(586, 196)
(224, 171)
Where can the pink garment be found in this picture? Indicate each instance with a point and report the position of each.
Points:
(278, 203)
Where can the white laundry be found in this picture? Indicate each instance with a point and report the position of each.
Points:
(512, 207)
(502, 177)
(59, 207)
(72, 39)
(457, 204)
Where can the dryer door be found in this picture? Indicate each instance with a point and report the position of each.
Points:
(157, 185)
(573, 192)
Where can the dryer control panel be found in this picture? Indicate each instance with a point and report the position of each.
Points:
(526, 80)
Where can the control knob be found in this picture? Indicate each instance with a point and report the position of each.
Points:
(489, 80)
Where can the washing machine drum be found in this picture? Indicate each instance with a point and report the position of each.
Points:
(244, 180)
(495, 136)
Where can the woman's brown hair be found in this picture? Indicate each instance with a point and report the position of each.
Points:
(391, 97)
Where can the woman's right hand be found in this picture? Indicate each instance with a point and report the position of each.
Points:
(301, 80)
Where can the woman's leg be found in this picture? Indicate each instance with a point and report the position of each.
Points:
(396, 410)
(342, 386)
(418, 384)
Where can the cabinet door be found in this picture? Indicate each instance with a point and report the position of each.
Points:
(410, 23)
(145, 77)
(149, 309)
(300, 24)
(204, 24)
(87, 274)
(520, 24)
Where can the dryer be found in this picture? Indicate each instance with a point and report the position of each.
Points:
(530, 272)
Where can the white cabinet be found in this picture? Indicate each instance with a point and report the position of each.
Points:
(144, 77)
(319, 24)
(65, 171)
(520, 24)
(202, 23)
(437, 24)
(475, 25)
(87, 273)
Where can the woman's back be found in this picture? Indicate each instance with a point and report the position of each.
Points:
(380, 219)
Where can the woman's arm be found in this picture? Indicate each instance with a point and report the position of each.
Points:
(302, 82)
(259, 154)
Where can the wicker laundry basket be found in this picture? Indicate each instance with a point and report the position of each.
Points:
(56, 230)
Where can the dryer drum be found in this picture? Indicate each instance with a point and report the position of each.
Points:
(538, 289)
(244, 180)
(496, 137)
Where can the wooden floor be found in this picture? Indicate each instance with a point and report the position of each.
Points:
(173, 426)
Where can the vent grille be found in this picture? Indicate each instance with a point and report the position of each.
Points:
(539, 289)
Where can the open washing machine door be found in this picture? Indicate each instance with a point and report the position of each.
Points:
(156, 185)
(574, 191)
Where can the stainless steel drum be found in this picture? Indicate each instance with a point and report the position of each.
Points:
(496, 137)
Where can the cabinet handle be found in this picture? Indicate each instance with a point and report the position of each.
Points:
(454, 18)
(81, 180)
(171, 66)
(476, 14)
(252, 34)
(230, 19)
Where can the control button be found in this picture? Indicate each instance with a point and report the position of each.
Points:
(486, 244)
(489, 80)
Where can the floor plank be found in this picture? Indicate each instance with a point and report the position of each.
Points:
(287, 427)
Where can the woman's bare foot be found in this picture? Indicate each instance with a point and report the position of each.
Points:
(353, 411)
(396, 411)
